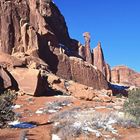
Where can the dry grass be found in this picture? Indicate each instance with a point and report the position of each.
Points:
(72, 123)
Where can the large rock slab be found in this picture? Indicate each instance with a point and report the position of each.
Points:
(30, 81)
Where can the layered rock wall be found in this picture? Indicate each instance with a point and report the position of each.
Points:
(76, 69)
(125, 75)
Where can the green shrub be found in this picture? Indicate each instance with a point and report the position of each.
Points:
(6, 102)
(132, 104)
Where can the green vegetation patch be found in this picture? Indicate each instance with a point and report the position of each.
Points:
(7, 100)
(132, 105)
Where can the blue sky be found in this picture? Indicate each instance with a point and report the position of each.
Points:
(115, 23)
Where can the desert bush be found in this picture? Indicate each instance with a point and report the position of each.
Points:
(56, 105)
(64, 124)
(77, 121)
(74, 122)
(132, 104)
(126, 121)
(6, 102)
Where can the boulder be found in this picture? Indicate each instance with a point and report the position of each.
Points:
(30, 81)
(77, 90)
(81, 91)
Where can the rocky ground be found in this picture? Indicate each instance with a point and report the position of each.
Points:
(62, 117)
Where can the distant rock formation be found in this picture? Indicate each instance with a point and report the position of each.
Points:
(88, 56)
(98, 58)
(108, 72)
(99, 62)
(125, 75)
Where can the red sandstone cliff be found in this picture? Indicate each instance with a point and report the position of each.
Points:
(35, 33)
(125, 75)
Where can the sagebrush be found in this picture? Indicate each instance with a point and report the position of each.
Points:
(7, 100)
(132, 105)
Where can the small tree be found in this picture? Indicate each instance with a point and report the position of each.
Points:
(6, 102)
(132, 105)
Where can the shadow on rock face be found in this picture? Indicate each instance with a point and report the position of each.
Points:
(44, 88)
(119, 90)
(14, 85)
(46, 54)
(52, 92)
(1, 85)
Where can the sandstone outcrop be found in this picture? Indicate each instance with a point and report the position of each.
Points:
(99, 62)
(76, 69)
(98, 58)
(87, 74)
(81, 51)
(108, 72)
(88, 56)
(10, 15)
(27, 25)
(34, 35)
(125, 75)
